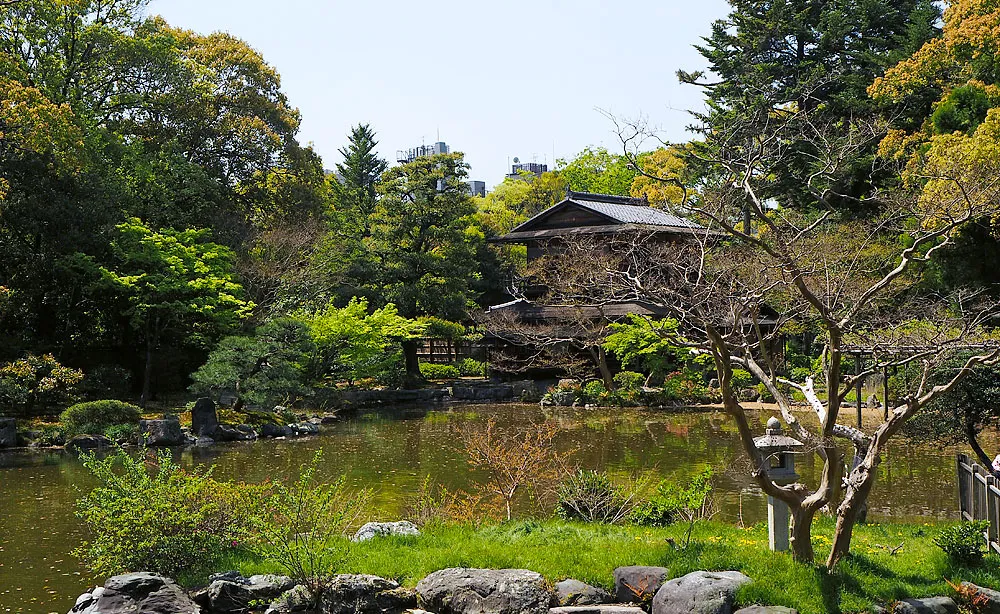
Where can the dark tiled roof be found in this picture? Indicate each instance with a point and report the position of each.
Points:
(634, 214)
(618, 210)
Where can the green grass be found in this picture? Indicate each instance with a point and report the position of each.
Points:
(590, 552)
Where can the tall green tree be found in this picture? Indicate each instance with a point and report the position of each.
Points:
(424, 241)
(176, 287)
(595, 169)
(803, 67)
(354, 187)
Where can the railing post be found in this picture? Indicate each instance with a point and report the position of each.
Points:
(961, 486)
(991, 510)
(977, 511)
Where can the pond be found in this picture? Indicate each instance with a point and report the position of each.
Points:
(394, 452)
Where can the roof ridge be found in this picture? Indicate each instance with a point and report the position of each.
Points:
(611, 199)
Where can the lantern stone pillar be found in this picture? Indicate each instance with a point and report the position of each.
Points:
(779, 465)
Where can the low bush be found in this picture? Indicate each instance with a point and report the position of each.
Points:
(964, 543)
(95, 417)
(672, 502)
(303, 526)
(438, 371)
(471, 367)
(742, 379)
(35, 385)
(686, 387)
(147, 513)
(592, 496)
(123, 433)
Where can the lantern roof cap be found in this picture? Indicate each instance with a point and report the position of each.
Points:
(775, 439)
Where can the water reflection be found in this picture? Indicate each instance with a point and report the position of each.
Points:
(393, 452)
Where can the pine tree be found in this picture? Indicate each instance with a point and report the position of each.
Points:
(777, 62)
(354, 187)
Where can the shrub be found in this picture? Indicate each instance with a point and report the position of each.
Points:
(629, 388)
(964, 543)
(438, 371)
(263, 369)
(689, 502)
(742, 379)
(95, 417)
(591, 496)
(122, 433)
(34, 384)
(563, 395)
(685, 386)
(594, 393)
(303, 526)
(471, 367)
(156, 517)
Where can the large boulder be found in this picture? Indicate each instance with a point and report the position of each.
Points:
(573, 592)
(381, 529)
(478, 591)
(234, 593)
(8, 432)
(165, 432)
(226, 432)
(271, 430)
(297, 599)
(80, 443)
(638, 583)
(613, 608)
(136, 592)
(929, 605)
(699, 592)
(364, 594)
(204, 419)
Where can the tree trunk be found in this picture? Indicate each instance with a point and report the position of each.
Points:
(860, 484)
(970, 436)
(147, 375)
(602, 364)
(410, 358)
(799, 535)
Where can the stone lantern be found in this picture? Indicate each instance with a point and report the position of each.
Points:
(779, 452)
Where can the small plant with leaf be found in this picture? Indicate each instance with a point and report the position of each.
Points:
(303, 526)
(964, 543)
(592, 496)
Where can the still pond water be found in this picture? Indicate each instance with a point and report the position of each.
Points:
(393, 454)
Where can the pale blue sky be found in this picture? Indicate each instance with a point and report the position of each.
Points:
(494, 79)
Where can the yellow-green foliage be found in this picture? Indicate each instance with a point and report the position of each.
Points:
(146, 513)
(96, 416)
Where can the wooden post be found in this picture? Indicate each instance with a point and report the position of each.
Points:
(977, 510)
(963, 506)
(993, 532)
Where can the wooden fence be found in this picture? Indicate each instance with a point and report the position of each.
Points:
(979, 497)
(448, 351)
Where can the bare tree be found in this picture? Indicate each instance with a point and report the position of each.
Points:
(857, 279)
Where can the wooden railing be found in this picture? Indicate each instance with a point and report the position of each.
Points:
(979, 497)
(447, 351)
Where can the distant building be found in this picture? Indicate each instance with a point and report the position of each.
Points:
(409, 155)
(476, 188)
(404, 156)
(518, 168)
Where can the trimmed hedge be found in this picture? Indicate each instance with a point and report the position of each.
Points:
(94, 417)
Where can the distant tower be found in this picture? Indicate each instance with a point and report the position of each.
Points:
(534, 168)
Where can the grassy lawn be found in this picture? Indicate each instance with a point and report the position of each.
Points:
(590, 553)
